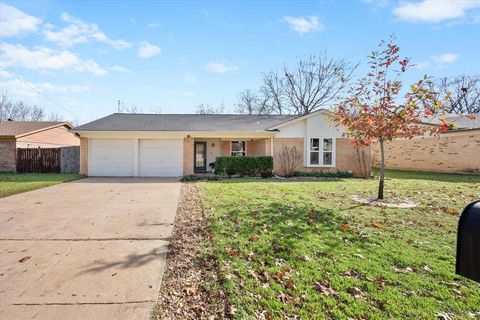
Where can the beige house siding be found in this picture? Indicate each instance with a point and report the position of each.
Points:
(457, 152)
(51, 138)
(8, 155)
(344, 155)
(257, 148)
(188, 156)
(84, 156)
(225, 148)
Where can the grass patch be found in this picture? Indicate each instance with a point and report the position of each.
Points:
(305, 249)
(13, 183)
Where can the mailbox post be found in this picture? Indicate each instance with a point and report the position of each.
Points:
(468, 242)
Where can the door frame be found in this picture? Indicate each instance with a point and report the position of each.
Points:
(204, 168)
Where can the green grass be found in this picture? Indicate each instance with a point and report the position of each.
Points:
(11, 183)
(280, 243)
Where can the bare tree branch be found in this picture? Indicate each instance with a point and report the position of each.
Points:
(463, 93)
(248, 102)
(207, 109)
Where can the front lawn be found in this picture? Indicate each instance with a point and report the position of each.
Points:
(305, 249)
(13, 183)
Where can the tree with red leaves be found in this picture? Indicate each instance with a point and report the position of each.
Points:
(377, 110)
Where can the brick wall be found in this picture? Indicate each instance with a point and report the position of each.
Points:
(344, 155)
(457, 152)
(84, 156)
(8, 155)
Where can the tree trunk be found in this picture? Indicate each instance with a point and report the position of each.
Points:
(382, 171)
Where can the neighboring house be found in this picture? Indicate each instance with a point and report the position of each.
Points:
(456, 151)
(180, 144)
(31, 134)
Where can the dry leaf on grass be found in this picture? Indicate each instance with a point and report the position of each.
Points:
(356, 292)
(25, 259)
(323, 286)
(345, 227)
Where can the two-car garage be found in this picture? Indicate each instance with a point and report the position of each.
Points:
(135, 157)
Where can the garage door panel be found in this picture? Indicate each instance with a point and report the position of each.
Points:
(111, 157)
(160, 158)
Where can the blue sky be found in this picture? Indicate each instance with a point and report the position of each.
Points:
(175, 55)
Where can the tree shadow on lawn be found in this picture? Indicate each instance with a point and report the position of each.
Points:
(430, 176)
(292, 227)
(269, 180)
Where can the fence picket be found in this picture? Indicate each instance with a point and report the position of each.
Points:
(38, 160)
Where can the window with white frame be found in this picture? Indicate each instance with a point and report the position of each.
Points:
(321, 152)
(237, 148)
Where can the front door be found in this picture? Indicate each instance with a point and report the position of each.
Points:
(200, 157)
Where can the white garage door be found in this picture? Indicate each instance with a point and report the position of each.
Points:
(110, 158)
(160, 158)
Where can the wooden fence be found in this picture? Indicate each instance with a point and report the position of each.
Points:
(38, 160)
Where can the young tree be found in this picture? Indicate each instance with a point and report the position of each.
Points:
(377, 110)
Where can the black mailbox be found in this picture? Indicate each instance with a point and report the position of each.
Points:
(468, 242)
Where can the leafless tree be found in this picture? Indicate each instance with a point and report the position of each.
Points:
(133, 108)
(289, 160)
(19, 111)
(208, 109)
(463, 93)
(316, 82)
(273, 93)
(248, 102)
(313, 83)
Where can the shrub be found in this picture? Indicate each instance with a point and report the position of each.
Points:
(338, 174)
(199, 177)
(244, 166)
(289, 159)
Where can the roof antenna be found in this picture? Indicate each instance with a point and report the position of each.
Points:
(118, 105)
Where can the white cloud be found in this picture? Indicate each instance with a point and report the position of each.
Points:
(148, 50)
(434, 11)
(14, 22)
(153, 25)
(19, 88)
(79, 31)
(41, 58)
(189, 94)
(221, 67)
(446, 58)
(119, 69)
(190, 78)
(302, 25)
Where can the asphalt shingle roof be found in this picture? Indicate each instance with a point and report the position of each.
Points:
(183, 122)
(463, 122)
(16, 128)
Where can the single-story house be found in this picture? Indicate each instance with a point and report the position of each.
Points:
(31, 134)
(142, 145)
(454, 151)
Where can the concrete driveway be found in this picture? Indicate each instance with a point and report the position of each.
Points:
(90, 249)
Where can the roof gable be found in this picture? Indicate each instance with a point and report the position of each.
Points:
(22, 128)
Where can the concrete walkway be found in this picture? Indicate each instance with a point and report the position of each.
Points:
(90, 249)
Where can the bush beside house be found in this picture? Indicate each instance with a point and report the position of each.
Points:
(244, 166)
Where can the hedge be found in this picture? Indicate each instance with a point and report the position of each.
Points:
(244, 166)
(199, 177)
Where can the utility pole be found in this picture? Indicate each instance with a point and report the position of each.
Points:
(118, 105)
